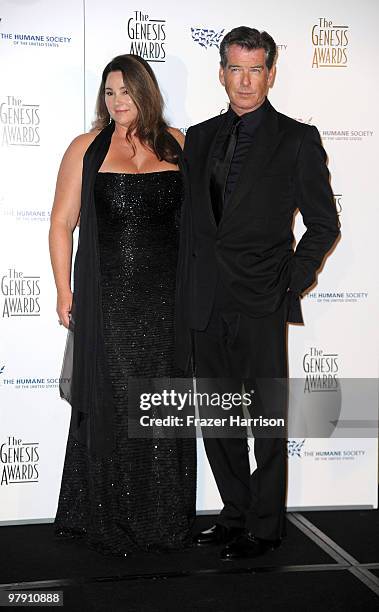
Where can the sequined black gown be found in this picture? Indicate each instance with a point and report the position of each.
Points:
(143, 496)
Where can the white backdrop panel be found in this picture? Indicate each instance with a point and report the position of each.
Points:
(47, 100)
(42, 98)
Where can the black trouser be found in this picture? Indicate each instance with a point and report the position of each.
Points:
(245, 349)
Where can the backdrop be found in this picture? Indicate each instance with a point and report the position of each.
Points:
(52, 56)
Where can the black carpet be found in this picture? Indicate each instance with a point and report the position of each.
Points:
(362, 543)
(301, 575)
(33, 552)
(310, 592)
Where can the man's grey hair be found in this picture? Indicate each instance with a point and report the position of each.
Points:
(248, 38)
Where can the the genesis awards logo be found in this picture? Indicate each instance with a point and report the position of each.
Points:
(330, 44)
(20, 294)
(19, 122)
(147, 37)
(206, 37)
(18, 461)
(320, 370)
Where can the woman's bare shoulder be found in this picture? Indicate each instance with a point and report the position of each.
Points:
(178, 135)
(79, 145)
(83, 141)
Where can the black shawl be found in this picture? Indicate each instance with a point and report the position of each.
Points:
(85, 381)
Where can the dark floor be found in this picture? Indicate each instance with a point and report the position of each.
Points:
(328, 562)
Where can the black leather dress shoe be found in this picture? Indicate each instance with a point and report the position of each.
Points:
(247, 545)
(218, 534)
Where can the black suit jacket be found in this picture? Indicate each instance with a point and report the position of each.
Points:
(251, 249)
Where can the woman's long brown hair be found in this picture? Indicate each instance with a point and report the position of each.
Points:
(142, 86)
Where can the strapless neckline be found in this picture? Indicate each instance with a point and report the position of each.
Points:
(142, 173)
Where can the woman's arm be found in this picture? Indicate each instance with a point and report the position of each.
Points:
(64, 218)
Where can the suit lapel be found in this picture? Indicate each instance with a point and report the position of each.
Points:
(218, 141)
(266, 141)
(210, 145)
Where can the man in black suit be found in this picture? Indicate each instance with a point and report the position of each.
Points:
(239, 280)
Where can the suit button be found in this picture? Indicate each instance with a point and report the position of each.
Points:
(194, 254)
(218, 242)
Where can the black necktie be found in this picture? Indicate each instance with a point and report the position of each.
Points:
(231, 147)
(221, 171)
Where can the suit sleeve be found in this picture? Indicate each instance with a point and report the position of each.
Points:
(314, 198)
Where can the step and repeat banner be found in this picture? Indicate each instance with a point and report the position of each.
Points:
(52, 56)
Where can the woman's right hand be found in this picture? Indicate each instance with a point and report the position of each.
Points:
(64, 305)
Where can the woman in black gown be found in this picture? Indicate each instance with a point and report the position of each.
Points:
(123, 181)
